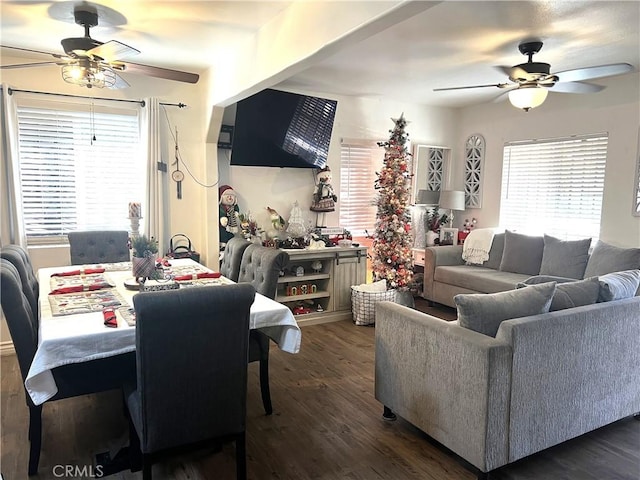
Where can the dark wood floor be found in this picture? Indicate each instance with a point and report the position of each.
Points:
(326, 425)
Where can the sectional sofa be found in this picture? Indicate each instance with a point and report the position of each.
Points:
(513, 258)
(531, 361)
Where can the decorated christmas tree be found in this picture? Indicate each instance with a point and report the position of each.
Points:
(391, 241)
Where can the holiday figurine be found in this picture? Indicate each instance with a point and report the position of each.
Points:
(277, 222)
(324, 197)
(228, 213)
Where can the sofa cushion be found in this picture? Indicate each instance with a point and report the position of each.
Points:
(564, 258)
(522, 253)
(619, 285)
(572, 293)
(495, 254)
(607, 258)
(484, 312)
(478, 279)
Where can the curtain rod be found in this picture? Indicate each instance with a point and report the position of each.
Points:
(141, 102)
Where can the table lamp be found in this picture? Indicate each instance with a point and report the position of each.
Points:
(452, 200)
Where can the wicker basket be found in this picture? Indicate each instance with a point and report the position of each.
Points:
(363, 304)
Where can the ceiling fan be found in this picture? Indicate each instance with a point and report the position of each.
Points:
(531, 81)
(90, 63)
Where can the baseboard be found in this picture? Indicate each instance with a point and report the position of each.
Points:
(6, 348)
(318, 318)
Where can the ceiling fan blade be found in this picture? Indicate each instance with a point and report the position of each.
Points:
(499, 85)
(25, 65)
(113, 50)
(28, 50)
(160, 72)
(514, 73)
(576, 87)
(594, 72)
(120, 83)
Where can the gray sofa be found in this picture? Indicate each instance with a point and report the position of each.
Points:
(513, 258)
(542, 380)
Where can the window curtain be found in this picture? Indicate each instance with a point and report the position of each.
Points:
(11, 211)
(156, 207)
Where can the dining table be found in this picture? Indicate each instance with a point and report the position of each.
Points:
(73, 327)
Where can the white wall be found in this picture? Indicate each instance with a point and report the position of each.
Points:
(615, 110)
(356, 118)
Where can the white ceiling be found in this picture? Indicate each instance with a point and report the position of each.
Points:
(454, 43)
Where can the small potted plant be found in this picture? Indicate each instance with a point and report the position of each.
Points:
(144, 256)
(434, 222)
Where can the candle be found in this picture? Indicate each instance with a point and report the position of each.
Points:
(134, 210)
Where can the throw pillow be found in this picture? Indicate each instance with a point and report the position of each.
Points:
(485, 312)
(564, 258)
(536, 279)
(606, 258)
(572, 293)
(522, 253)
(619, 285)
(495, 254)
(380, 286)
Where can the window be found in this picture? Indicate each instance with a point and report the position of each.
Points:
(80, 166)
(554, 186)
(360, 160)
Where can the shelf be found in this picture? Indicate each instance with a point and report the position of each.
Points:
(303, 278)
(306, 296)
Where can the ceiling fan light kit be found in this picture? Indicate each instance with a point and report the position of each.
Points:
(528, 97)
(88, 73)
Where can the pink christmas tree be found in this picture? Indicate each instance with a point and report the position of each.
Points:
(391, 240)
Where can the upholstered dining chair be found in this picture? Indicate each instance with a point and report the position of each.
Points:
(19, 258)
(73, 379)
(191, 349)
(232, 258)
(261, 268)
(104, 246)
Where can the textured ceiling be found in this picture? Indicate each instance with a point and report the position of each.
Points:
(454, 43)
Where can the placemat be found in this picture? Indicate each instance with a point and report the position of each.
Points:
(85, 302)
(74, 280)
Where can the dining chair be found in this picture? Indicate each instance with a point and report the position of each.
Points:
(191, 350)
(19, 258)
(232, 258)
(104, 246)
(73, 379)
(261, 267)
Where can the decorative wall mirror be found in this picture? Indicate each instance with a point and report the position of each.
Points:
(473, 165)
(430, 169)
(636, 194)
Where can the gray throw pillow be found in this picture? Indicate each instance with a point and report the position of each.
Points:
(485, 312)
(573, 293)
(536, 279)
(564, 258)
(495, 254)
(607, 258)
(522, 253)
(619, 285)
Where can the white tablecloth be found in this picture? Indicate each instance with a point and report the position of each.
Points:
(83, 337)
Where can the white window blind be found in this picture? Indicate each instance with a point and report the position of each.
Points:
(554, 186)
(359, 162)
(79, 167)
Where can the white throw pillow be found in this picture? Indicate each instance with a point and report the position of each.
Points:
(380, 286)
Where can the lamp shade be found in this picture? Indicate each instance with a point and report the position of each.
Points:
(528, 97)
(452, 200)
(427, 197)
